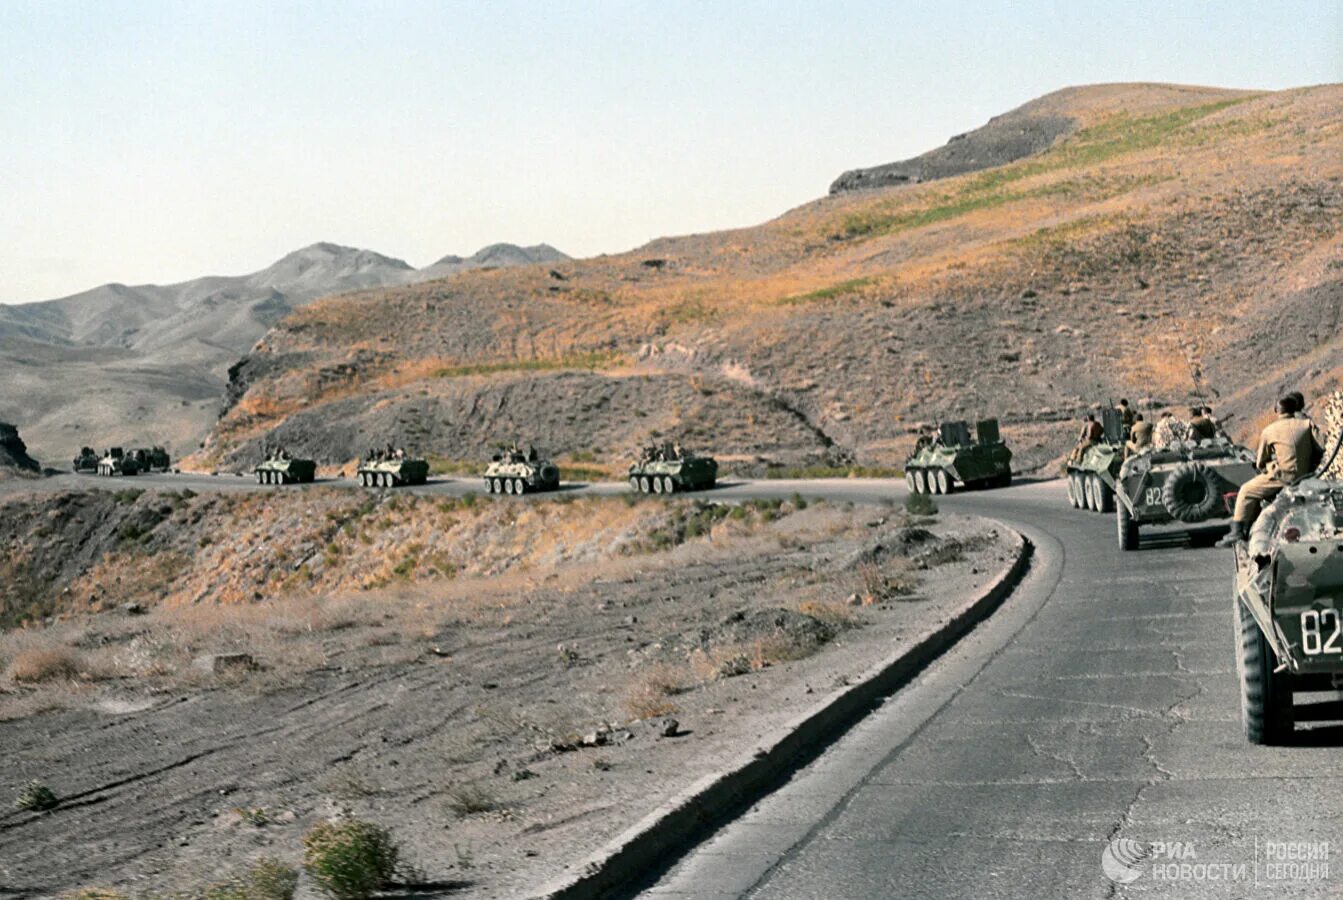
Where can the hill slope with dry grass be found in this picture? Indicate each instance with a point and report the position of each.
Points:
(1175, 243)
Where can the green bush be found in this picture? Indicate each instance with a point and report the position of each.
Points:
(268, 879)
(36, 797)
(920, 505)
(350, 859)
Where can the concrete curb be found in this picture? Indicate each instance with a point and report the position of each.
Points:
(653, 842)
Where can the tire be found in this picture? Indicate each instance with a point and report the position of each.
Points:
(508, 486)
(260, 477)
(489, 486)
(668, 486)
(1191, 493)
(634, 483)
(1127, 528)
(498, 486)
(1074, 500)
(920, 481)
(643, 484)
(943, 482)
(1104, 496)
(1265, 695)
(909, 481)
(519, 486)
(657, 485)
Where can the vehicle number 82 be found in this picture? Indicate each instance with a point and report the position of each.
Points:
(1321, 631)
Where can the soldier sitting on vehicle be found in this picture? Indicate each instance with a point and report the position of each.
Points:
(1201, 428)
(1091, 435)
(1127, 417)
(1169, 430)
(1140, 436)
(1288, 451)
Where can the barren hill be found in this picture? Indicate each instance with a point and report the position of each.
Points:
(148, 364)
(1175, 244)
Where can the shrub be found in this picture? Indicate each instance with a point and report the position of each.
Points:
(920, 505)
(44, 665)
(267, 879)
(470, 799)
(350, 859)
(36, 797)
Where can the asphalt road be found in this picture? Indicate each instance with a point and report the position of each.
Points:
(1099, 703)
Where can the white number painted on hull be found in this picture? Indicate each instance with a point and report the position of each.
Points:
(1321, 632)
(1152, 497)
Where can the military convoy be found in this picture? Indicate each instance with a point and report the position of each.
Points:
(86, 461)
(669, 469)
(1185, 481)
(151, 459)
(1093, 473)
(280, 468)
(116, 462)
(953, 459)
(516, 472)
(391, 469)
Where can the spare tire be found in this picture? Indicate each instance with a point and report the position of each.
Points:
(1191, 493)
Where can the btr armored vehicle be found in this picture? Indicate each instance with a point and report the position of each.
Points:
(669, 469)
(392, 470)
(151, 459)
(516, 472)
(1289, 606)
(953, 458)
(116, 462)
(1091, 477)
(280, 468)
(86, 461)
(1184, 481)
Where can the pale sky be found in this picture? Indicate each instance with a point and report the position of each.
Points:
(161, 140)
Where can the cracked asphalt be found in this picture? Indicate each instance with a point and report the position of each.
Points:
(1100, 703)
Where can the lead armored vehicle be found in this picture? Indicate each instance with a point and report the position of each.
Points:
(86, 461)
(391, 470)
(955, 459)
(1289, 606)
(1092, 477)
(152, 459)
(116, 462)
(516, 472)
(669, 469)
(1184, 481)
(280, 468)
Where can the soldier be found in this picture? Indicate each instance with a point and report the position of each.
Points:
(1126, 414)
(676, 449)
(1091, 435)
(1140, 437)
(1201, 428)
(1288, 451)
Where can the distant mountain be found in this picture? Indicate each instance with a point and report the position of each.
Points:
(147, 363)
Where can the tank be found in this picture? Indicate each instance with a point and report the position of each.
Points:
(151, 459)
(516, 472)
(669, 469)
(116, 462)
(1184, 481)
(86, 461)
(381, 470)
(1091, 478)
(281, 468)
(954, 459)
(1289, 606)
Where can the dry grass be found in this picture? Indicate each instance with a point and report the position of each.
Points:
(37, 665)
(649, 695)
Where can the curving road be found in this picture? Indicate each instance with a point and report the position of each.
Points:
(1098, 704)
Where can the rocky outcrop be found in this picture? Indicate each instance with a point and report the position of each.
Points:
(14, 453)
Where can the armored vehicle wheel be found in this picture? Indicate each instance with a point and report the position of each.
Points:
(1104, 496)
(388, 480)
(1074, 491)
(508, 486)
(643, 484)
(519, 486)
(1265, 695)
(920, 482)
(909, 481)
(498, 487)
(489, 486)
(634, 483)
(657, 485)
(943, 482)
(1127, 528)
(668, 485)
(1191, 493)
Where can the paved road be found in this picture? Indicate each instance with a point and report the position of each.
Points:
(1100, 702)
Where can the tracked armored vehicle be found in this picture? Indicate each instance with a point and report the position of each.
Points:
(1092, 477)
(1185, 481)
(116, 462)
(1289, 606)
(391, 471)
(86, 461)
(668, 469)
(954, 459)
(281, 468)
(515, 472)
(152, 459)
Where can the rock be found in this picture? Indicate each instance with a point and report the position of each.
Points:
(669, 728)
(14, 452)
(854, 600)
(220, 663)
(133, 609)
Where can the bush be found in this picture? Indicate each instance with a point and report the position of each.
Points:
(350, 859)
(36, 797)
(470, 799)
(920, 505)
(44, 665)
(268, 879)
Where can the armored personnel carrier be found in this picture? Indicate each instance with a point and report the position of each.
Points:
(116, 462)
(86, 461)
(280, 468)
(151, 459)
(516, 472)
(669, 469)
(1183, 481)
(1289, 606)
(1091, 478)
(391, 470)
(953, 458)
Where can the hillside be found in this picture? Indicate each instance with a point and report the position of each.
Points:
(148, 364)
(1169, 244)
